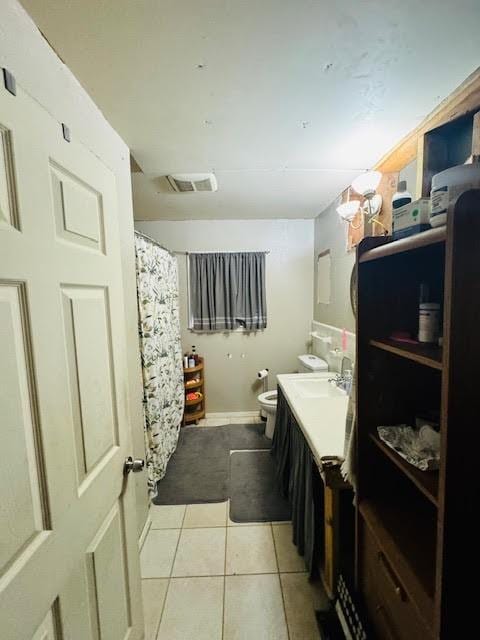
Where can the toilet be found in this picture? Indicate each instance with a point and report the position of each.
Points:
(268, 403)
(307, 363)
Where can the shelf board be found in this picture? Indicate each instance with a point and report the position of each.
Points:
(199, 367)
(189, 403)
(424, 239)
(195, 415)
(407, 537)
(426, 354)
(426, 481)
(193, 386)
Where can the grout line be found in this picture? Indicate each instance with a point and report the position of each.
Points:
(171, 570)
(229, 575)
(225, 570)
(157, 629)
(281, 586)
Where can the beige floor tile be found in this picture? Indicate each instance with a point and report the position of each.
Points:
(250, 550)
(193, 610)
(201, 552)
(167, 516)
(244, 420)
(206, 515)
(158, 552)
(287, 554)
(153, 595)
(254, 608)
(216, 422)
(299, 606)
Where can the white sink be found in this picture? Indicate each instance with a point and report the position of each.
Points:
(316, 388)
(320, 409)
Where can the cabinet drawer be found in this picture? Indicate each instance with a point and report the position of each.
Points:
(391, 612)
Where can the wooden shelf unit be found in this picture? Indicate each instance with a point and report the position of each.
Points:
(415, 530)
(426, 354)
(426, 481)
(194, 409)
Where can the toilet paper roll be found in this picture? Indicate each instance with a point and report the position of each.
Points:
(262, 374)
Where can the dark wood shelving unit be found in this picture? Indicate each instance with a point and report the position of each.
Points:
(415, 536)
(390, 247)
(194, 409)
(428, 355)
(412, 557)
(426, 481)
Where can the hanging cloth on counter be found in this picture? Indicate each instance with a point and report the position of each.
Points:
(295, 476)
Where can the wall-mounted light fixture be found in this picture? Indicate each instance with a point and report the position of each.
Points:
(365, 185)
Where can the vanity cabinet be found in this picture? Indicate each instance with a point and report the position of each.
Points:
(416, 537)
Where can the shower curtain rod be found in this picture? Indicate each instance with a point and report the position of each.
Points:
(186, 253)
(144, 235)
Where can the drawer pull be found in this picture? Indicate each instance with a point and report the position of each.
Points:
(397, 587)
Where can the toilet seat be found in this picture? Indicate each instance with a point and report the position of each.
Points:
(268, 398)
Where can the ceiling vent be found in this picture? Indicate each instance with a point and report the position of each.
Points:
(192, 182)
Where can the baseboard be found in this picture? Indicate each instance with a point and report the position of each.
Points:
(233, 414)
(145, 530)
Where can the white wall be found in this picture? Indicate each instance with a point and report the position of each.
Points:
(40, 72)
(231, 382)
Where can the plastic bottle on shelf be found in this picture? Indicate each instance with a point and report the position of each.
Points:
(195, 355)
(191, 359)
(185, 361)
(401, 196)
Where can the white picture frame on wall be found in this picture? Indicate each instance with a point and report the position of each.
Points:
(323, 277)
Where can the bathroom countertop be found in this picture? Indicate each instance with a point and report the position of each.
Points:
(321, 419)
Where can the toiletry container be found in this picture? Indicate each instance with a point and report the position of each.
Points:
(401, 196)
(428, 322)
(447, 186)
(411, 218)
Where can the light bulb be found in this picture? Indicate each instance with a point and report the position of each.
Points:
(347, 210)
(367, 183)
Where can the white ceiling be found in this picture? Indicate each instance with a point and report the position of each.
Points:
(285, 100)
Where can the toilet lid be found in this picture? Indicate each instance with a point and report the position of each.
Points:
(269, 397)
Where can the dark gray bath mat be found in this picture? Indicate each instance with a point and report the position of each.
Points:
(254, 496)
(199, 470)
(249, 436)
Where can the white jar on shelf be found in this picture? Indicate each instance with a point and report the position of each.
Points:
(428, 322)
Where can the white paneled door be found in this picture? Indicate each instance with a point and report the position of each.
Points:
(68, 549)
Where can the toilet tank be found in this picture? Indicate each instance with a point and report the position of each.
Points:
(309, 363)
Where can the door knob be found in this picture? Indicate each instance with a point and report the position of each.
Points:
(134, 465)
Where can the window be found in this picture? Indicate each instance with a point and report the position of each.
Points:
(227, 291)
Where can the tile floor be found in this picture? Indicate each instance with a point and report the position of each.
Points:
(207, 578)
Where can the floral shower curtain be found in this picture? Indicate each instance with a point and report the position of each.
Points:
(161, 355)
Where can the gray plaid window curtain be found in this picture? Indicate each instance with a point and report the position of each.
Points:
(227, 291)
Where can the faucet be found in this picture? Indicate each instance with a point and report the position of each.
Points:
(343, 380)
